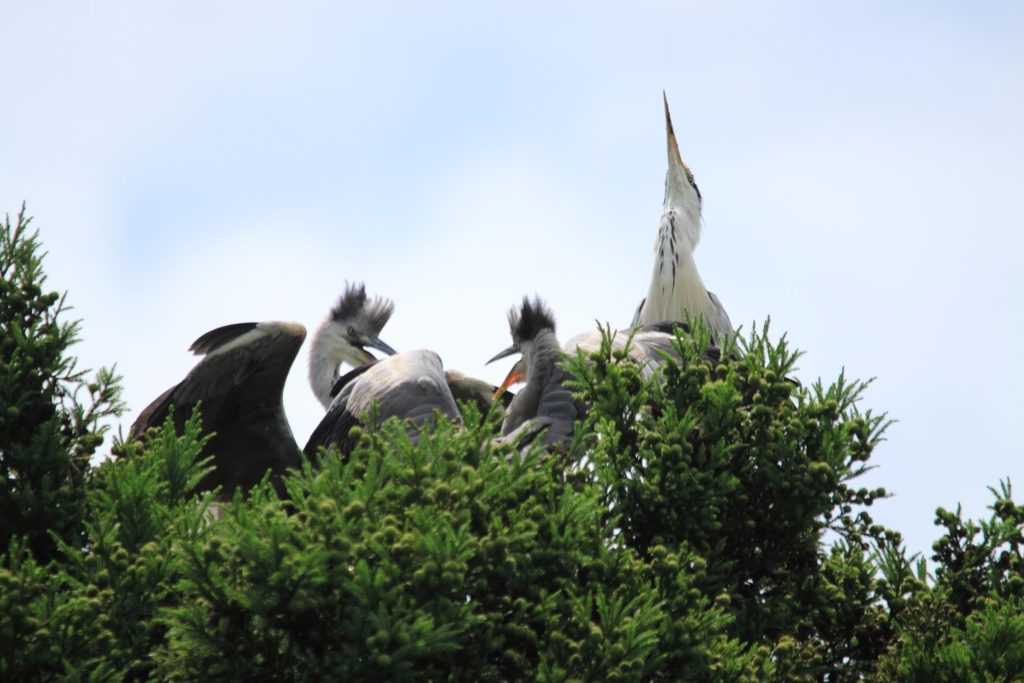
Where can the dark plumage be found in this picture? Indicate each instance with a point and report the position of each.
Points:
(239, 383)
(354, 304)
(526, 321)
(544, 404)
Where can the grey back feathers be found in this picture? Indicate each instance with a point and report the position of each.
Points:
(239, 383)
(646, 348)
(544, 406)
(409, 386)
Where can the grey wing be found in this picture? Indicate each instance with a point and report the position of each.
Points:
(555, 419)
(550, 432)
(334, 427)
(639, 311)
(554, 402)
(240, 384)
(721, 325)
(409, 386)
(647, 342)
(557, 402)
(588, 342)
(656, 337)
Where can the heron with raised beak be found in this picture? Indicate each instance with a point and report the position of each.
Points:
(676, 287)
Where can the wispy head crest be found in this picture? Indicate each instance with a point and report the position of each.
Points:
(526, 321)
(354, 305)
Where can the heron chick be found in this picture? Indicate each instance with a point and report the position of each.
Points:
(676, 286)
(239, 382)
(353, 324)
(544, 403)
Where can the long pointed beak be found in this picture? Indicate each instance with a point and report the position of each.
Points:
(673, 147)
(376, 343)
(516, 374)
(504, 354)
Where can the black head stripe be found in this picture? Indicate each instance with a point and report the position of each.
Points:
(355, 307)
(350, 303)
(532, 317)
(376, 313)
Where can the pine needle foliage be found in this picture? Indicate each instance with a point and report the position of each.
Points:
(965, 623)
(446, 560)
(741, 467)
(50, 413)
(704, 526)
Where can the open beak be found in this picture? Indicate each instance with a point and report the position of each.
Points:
(504, 354)
(516, 374)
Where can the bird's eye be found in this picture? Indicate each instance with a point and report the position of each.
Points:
(352, 332)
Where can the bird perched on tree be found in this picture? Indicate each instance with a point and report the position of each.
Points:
(240, 382)
(676, 286)
(646, 345)
(409, 386)
(544, 403)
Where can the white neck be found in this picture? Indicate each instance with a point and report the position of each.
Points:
(323, 367)
(676, 285)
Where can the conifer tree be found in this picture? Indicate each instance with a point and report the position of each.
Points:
(50, 412)
(704, 527)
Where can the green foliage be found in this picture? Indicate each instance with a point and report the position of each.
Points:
(968, 624)
(739, 465)
(46, 433)
(94, 616)
(441, 561)
(703, 527)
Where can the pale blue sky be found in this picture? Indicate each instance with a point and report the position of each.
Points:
(193, 165)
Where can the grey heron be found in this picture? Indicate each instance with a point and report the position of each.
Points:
(646, 347)
(409, 386)
(240, 382)
(544, 403)
(353, 324)
(676, 286)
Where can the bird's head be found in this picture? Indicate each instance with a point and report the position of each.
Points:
(354, 325)
(526, 323)
(679, 183)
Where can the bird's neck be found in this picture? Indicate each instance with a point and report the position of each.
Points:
(676, 285)
(683, 204)
(540, 363)
(323, 368)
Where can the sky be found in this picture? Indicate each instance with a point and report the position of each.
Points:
(191, 165)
